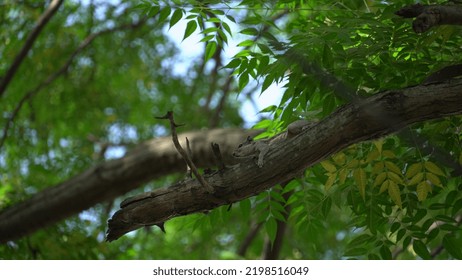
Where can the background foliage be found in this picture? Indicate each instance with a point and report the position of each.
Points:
(375, 200)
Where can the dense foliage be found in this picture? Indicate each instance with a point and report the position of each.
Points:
(71, 105)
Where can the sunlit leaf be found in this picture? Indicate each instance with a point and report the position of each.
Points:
(328, 166)
(210, 50)
(434, 179)
(413, 170)
(395, 193)
(190, 28)
(416, 179)
(360, 179)
(175, 18)
(380, 178)
(423, 188)
(330, 181)
(433, 168)
(392, 167)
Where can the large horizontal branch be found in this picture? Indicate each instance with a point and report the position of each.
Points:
(148, 161)
(371, 118)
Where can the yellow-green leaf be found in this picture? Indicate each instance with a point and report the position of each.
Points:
(384, 186)
(395, 193)
(330, 181)
(360, 179)
(388, 154)
(378, 144)
(434, 179)
(327, 165)
(395, 177)
(433, 168)
(392, 167)
(378, 167)
(422, 190)
(416, 179)
(353, 163)
(413, 170)
(373, 155)
(380, 178)
(339, 159)
(342, 175)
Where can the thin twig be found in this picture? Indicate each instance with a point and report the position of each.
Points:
(183, 153)
(41, 22)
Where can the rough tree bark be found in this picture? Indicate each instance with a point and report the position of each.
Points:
(367, 119)
(428, 16)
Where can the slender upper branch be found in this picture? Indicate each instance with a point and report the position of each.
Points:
(41, 22)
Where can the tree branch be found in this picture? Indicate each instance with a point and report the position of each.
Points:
(428, 16)
(360, 121)
(41, 22)
(106, 181)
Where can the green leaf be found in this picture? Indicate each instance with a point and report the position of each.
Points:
(267, 82)
(271, 229)
(176, 16)
(226, 27)
(400, 234)
(385, 252)
(243, 80)
(190, 28)
(453, 245)
(326, 205)
(233, 63)
(246, 43)
(445, 219)
(356, 252)
(457, 206)
(164, 14)
(394, 227)
(361, 240)
(245, 207)
(210, 50)
(421, 213)
(207, 38)
(421, 249)
(249, 31)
